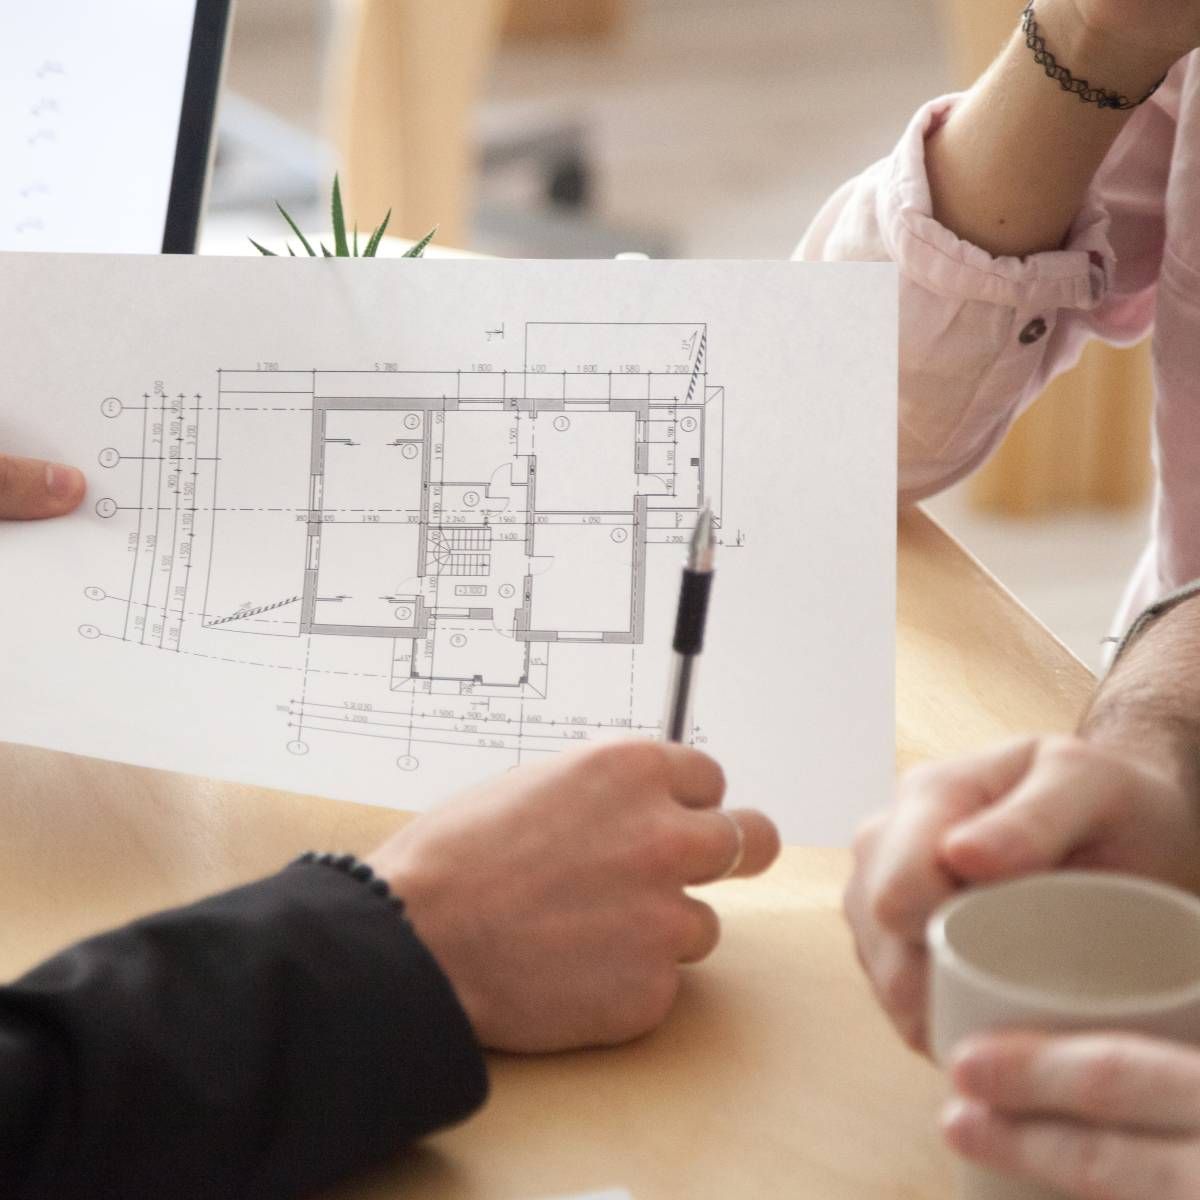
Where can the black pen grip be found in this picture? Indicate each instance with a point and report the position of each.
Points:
(693, 608)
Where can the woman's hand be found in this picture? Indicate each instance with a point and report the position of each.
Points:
(1094, 1116)
(1010, 169)
(31, 489)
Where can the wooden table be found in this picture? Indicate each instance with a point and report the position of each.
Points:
(775, 1075)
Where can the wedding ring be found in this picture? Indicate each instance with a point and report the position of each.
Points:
(740, 852)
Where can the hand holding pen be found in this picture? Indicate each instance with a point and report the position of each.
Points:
(690, 618)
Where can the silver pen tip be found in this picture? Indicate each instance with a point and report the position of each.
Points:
(701, 550)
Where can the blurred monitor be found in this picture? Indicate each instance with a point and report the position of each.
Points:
(107, 112)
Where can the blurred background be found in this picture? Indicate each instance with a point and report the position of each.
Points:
(680, 128)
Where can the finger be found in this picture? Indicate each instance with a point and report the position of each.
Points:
(695, 779)
(31, 489)
(1106, 1079)
(1080, 1161)
(760, 842)
(730, 845)
(866, 838)
(867, 932)
(899, 974)
(855, 903)
(897, 969)
(701, 931)
(1054, 810)
(907, 880)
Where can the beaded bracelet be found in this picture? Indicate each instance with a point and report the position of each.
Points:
(1148, 616)
(1084, 90)
(348, 864)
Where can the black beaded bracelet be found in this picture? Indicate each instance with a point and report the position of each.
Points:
(348, 864)
(1084, 90)
(1148, 616)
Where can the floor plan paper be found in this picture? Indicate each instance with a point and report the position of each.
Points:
(379, 529)
(618, 1194)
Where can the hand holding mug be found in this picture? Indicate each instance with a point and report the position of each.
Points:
(1096, 1116)
(1034, 805)
(1066, 1009)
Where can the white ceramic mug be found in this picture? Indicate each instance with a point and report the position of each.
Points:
(1069, 950)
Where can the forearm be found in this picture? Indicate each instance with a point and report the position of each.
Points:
(263, 1042)
(1010, 168)
(1149, 704)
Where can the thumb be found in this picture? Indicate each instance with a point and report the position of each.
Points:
(1053, 811)
(30, 488)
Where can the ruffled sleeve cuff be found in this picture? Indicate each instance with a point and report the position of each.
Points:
(1077, 276)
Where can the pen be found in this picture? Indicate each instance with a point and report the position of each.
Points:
(689, 628)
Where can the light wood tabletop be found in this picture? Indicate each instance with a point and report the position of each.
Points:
(775, 1075)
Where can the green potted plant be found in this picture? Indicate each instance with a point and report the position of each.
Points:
(343, 246)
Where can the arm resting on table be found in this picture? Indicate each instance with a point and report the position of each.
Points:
(264, 1042)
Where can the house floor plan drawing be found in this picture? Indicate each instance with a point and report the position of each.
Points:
(476, 541)
(383, 530)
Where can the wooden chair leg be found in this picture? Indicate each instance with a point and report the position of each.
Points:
(1084, 444)
(411, 78)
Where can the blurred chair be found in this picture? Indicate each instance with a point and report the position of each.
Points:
(406, 97)
(1086, 442)
(413, 73)
(564, 18)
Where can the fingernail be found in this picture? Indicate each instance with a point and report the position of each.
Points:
(970, 834)
(62, 482)
(956, 839)
(970, 1067)
(963, 1122)
(998, 843)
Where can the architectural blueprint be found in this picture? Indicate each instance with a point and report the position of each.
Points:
(379, 533)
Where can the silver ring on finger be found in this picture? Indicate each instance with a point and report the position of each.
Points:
(740, 851)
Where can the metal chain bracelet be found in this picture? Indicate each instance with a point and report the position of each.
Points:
(1084, 90)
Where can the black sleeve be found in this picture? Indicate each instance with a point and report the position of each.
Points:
(262, 1043)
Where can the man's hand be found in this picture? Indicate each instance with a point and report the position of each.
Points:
(553, 897)
(1095, 1116)
(1031, 806)
(31, 489)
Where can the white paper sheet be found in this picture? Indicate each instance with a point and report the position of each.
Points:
(90, 97)
(615, 1194)
(375, 530)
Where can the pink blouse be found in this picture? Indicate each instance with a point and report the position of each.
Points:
(980, 336)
